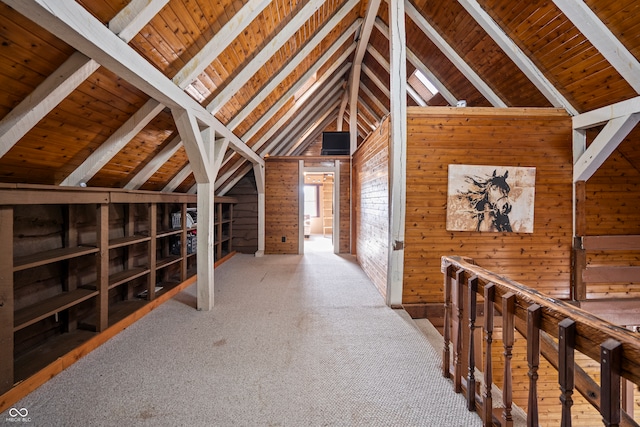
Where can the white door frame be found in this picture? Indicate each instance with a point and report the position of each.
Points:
(335, 230)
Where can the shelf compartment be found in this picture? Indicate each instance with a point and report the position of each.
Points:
(161, 263)
(125, 276)
(36, 312)
(127, 241)
(48, 257)
(165, 233)
(47, 352)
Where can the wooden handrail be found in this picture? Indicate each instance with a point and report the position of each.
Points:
(545, 316)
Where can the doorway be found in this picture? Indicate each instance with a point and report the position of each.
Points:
(318, 214)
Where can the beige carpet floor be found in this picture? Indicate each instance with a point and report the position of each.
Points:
(292, 341)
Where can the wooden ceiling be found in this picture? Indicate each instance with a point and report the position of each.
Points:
(274, 75)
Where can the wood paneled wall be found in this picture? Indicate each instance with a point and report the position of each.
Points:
(281, 207)
(245, 215)
(612, 204)
(345, 207)
(282, 198)
(371, 205)
(440, 136)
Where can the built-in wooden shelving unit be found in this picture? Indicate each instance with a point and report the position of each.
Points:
(84, 259)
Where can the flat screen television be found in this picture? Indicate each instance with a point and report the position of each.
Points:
(335, 144)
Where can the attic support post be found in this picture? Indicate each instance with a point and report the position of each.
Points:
(397, 151)
(201, 158)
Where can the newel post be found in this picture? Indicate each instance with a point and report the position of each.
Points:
(446, 355)
(534, 315)
(566, 367)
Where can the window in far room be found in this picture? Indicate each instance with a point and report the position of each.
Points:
(311, 201)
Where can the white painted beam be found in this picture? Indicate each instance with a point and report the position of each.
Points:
(44, 98)
(114, 144)
(193, 144)
(223, 38)
(376, 80)
(259, 173)
(67, 78)
(420, 66)
(374, 99)
(370, 112)
(275, 81)
(397, 153)
(319, 117)
(385, 64)
(453, 56)
(603, 39)
(134, 16)
(178, 179)
(415, 96)
(356, 69)
(264, 55)
(518, 57)
(74, 25)
(316, 129)
(152, 167)
(603, 145)
(602, 115)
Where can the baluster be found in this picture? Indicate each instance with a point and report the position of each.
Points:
(508, 310)
(610, 367)
(489, 298)
(566, 366)
(471, 378)
(446, 355)
(457, 355)
(534, 314)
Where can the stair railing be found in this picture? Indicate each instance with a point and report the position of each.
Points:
(553, 328)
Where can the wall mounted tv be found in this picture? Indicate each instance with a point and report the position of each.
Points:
(335, 144)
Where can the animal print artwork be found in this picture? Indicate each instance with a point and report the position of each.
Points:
(491, 198)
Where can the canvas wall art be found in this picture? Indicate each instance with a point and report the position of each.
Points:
(491, 198)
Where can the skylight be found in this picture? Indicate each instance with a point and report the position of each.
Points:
(425, 81)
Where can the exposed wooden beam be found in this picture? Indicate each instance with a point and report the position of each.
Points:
(376, 80)
(385, 64)
(178, 179)
(152, 167)
(603, 145)
(193, 144)
(603, 39)
(134, 16)
(356, 69)
(114, 143)
(415, 96)
(69, 76)
(223, 38)
(316, 130)
(453, 56)
(374, 99)
(369, 111)
(397, 152)
(288, 133)
(309, 125)
(283, 128)
(265, 118)
(73, 24)
(300, 56)
(264, 55)
(419, 65)
(319, 85)
(602, 115)
(518, 57)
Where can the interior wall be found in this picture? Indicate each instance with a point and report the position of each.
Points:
(371, 205)
(245, 215)
(282, 198)
(612, 203)
(281, 207)
(440, 136)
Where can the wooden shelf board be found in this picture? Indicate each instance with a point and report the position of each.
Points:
(36, 312)
(47, 352)
(54, 255)
(127, 240)
(165, 233)
(161, 263)
(126, 275)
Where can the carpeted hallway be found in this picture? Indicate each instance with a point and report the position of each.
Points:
(292, 341)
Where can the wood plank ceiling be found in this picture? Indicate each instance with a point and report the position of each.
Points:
(275, 73)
